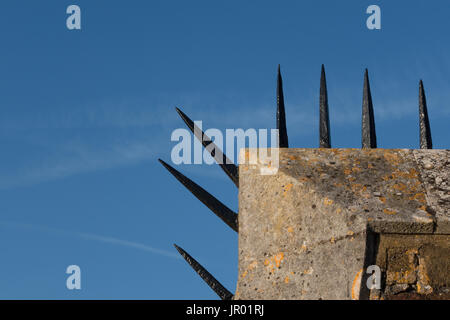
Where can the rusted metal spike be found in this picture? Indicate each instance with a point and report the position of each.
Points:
(424, 122)
(281, 115)
(226, 164)
(369, 138)
(223, 212)
(324, 121)
(212, 282)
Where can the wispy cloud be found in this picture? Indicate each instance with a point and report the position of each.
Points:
(80, 157)
(93, 237)
(130, 244)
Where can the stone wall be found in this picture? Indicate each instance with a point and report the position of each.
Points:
(310, 230)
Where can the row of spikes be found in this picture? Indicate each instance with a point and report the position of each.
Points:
(230, 217)
(368, 134)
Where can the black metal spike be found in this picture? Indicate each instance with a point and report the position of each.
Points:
(212, 282)
(424, 122)
(222, 211)
(281, 114)
(226, 164)
(324, 119)
(369, 137)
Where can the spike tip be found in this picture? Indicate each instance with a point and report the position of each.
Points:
(222, 211)
(324, 120)
(424, 122)
(369, 137)
(212, 282)
(281, 115)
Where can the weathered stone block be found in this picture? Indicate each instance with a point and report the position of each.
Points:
(415, 266)
(310, 230)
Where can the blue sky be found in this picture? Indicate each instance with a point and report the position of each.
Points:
(84, 115)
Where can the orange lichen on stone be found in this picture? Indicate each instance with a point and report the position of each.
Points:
(274, 262)
(370, 152)
(423, 283)
(366, 195)
(411, 174)
(327, 202)
(388, 211)
(278, 258)
(250, 267)
(357, 187)
(403, 277)
(287, 188)
(356, 169)
(286, 280)
(382, 199)
(399, 186)
(356, 285)
(419, 197)
(392, 158)
(308, 271)
(290, 229)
